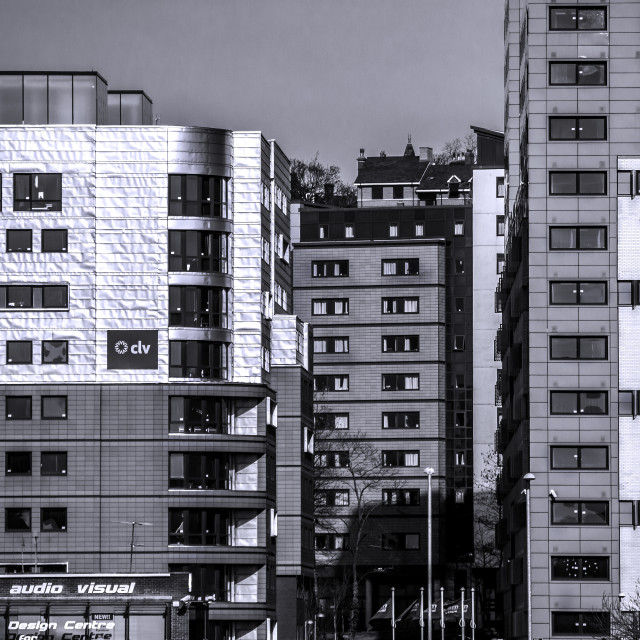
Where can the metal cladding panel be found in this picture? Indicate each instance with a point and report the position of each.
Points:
(629, 558)
(284, 340)
(628, 459)
(247, 256)
(628, 238)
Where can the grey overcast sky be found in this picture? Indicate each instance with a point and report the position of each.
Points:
(327, 76)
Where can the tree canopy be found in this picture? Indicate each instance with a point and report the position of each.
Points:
(312, 181)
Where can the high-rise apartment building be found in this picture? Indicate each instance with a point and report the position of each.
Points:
(154, 387)
(401, 301)
(568, 340)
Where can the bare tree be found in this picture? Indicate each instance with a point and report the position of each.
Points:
(617, 619)
(347, 462)
(456, 148)
(312, 181)
(486, 514)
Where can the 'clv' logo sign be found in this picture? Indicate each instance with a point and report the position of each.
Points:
(132, 349)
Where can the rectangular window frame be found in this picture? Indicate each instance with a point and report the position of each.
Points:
(61, 463)
(57, 515)
(578, 339)
(400, 420)
(578, 190)
(579, 453)
(577, 128)
(578, 563)
(400, 267)
(62, 415)
(580, 513)
(10, 465)
(21, 238)
(500, 226)
(15, 343)
(580, 398)
(401, 497)
(578, 10)
(578, 64)
(329, 268)
(330, 306)
(328, 420)
(397, 305)
(28, 414)
(578, 284)
(29, 188)
(11, 512)
(57, 237)
(578, 237)
(500, 187)
(63, 343)
(399, 381)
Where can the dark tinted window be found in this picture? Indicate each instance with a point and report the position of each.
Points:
(37, 192)
(191, 195)
(19, 352)
(193, 414)
(377, 193)
(53, 519)
(53, 241)
(54, 407)
(579, 402)
(55, 351)
(578, 73)
(572, 183)
(578, 128)
(17, 519)
(53, 463)
(18, 463)
(578, 347)
(18, 407)
(577, 19)
(19, 240)
(198, 359)
(587, 512)
(578, 292)
(579, 568)
(579, 457)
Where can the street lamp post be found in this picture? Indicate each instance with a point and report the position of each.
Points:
(429, 471)
(528, 477)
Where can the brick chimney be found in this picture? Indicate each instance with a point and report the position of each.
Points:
(362, 159)
(426, 154)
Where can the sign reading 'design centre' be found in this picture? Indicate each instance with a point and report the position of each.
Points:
(132, 349)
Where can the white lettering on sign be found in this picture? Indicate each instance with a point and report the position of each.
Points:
(140, 348)
(50, 588)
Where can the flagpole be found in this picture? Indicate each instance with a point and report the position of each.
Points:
(429, 471)
(393, 613)
(421, 613)
(462, 623)
(442, 613)
(473, 613)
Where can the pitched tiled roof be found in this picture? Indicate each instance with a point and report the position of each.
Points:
(390, 170)
(437, 176)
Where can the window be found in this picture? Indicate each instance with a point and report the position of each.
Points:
(332, 498)
(458, 228)
(574, 623)
(331, 420)
(500, 187)
(579, 568)
(398, 192)
(330, 268)
(55, 351)
(54, 407)
(577, 73)
(377, 192)
(399, 305)
(204, 251)
(577, 128)
(202, 307)
(397, 458)
(583, 512)
(17, 463)
(628, 293)
(330, 307)
(53, 241)
(579, 402)
(53, 519)
(577, 183)
(454, 189)
(18, 407)
(393, 230)
(400, 541)
(331, 345)
(348, 231)
(578, 293)
(17, 519)
(196, 414)
(332, 541)
(401, 420)
(19, 352)
(199, 526)
(626, 404)
(419, 229)
(37, 192)
(565, 238)
(577, 19)
(404, 267)
(198, 359)
(330, 383)
(199, 471)
(323, 231)
(579, 457)
(19, 240)
(578, 347)
(398, 344)
(401, 497)
(499, 263)
(458, 343)
(459, 266)
(459, 302)
(198, 196)
(459, 459)
(499, 225)
(400, 381)
(332, 459)
(34, 297)
(53, 463)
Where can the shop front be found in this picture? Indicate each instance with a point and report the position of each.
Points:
(92, 607)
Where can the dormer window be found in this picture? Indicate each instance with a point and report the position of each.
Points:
(454, 187)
